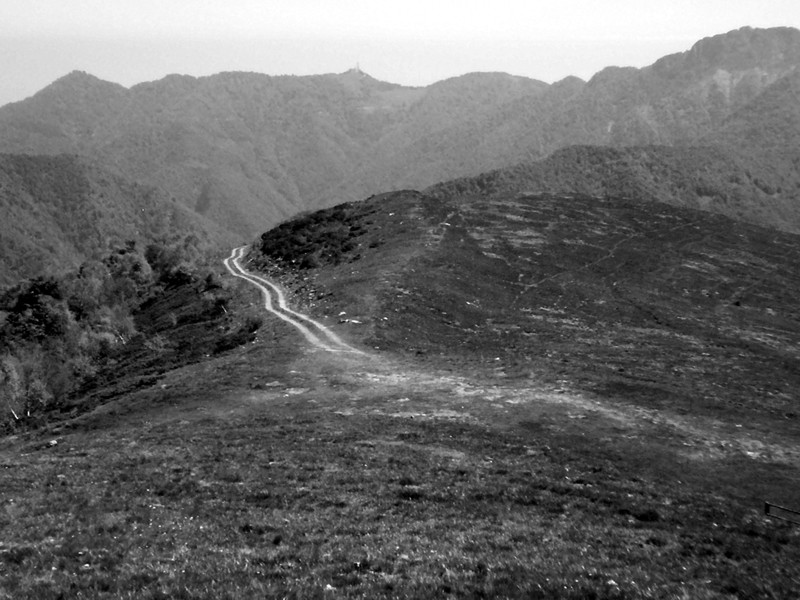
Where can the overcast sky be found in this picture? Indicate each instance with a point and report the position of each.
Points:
(413, 42)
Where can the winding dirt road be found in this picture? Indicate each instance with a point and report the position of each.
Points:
(317, 334)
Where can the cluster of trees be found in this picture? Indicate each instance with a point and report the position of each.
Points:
(316, 239)
(56, 332)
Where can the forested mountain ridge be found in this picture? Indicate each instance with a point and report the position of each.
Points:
(748, 168)
(702, 177)
(59, 210)
(247, 150)
(682, 97)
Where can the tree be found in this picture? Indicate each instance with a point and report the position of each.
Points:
(10, 387)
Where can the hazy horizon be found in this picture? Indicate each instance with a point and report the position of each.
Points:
(411, 43)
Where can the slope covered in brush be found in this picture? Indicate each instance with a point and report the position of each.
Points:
(661, 306)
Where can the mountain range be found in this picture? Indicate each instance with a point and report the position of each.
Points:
(244, 150)
(574, 347)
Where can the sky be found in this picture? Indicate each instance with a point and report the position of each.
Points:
(411, 42)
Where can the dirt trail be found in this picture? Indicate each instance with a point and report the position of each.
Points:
(317, 334)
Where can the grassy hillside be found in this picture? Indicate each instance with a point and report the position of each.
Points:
(283, 476)
(561, 397)
(644, 302)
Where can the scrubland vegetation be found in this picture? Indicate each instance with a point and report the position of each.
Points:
(62, 336)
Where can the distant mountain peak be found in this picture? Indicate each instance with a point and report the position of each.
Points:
(358, 74)
(77, 74)
(747, 47)
(612, 75)
(570, 80)
(76, 77)
(82, 84)
(358, 81)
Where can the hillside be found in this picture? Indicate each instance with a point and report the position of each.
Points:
(243, 149)
(771, 122)
(766, 132)
(684, 96)
(679, 100)
(717, 179)
(660, 338)
(59, 210)
(442, 135)
(661, 306)
(248, 150)
(592, 397)
(575, 377)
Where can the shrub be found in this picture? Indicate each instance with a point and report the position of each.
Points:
(157, 343)
(252, 324)
(174, 264)
(23, 384)
(11, 388)
(37, 313)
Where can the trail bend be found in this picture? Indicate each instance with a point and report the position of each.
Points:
(317, 334)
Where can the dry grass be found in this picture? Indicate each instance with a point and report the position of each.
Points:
(523, 464)
(322, 477)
